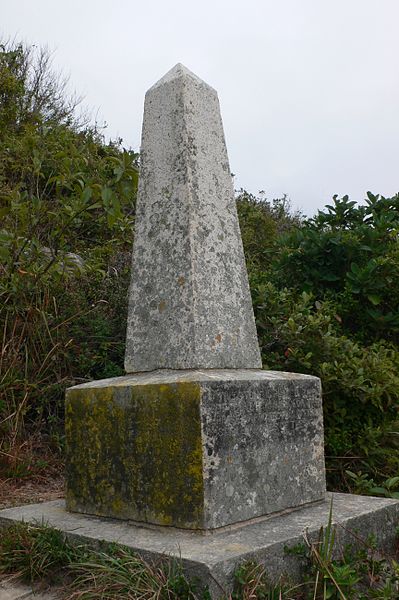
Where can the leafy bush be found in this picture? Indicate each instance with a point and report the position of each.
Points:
(261, 223)
(326, 298)
(360, 383)
(67, 209)
(351, 254)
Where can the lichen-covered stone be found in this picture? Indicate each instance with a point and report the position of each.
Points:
(189, 301)
(194, 449)
(135, 452)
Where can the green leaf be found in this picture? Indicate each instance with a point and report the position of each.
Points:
(87, 194)
(106, 195)
(4, 211)
(392, 482)
(351, 474)
(94, 206)
(378, 491)
(4, 253)
(330, 277)
(374, 299)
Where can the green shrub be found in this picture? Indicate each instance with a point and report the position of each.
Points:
(67, 202)
(360, 383)
(349, 254)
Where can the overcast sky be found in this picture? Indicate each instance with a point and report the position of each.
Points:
(309, 89)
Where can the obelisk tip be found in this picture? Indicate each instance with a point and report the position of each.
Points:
(179, 71)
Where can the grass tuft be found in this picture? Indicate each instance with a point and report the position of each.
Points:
(118, 573)
(38, 553)
(35, 552)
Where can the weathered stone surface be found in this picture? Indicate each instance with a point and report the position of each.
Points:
(14, 590)
(194, 449)
(214, 557)
(190, 305)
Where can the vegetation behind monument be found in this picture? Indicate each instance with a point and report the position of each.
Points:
(325, 290)
(67, 208)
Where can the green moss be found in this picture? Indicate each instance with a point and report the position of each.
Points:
(135, 452)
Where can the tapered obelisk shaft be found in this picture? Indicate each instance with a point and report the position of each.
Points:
(189, 304)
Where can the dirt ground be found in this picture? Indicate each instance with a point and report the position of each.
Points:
(15, 492)
(31, 472)
(48, 484)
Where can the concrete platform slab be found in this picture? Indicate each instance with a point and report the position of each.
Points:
(14, 590)
(214, 557)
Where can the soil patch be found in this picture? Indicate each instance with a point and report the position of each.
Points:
(14, 492)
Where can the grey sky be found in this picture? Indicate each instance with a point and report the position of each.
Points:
(309, 89)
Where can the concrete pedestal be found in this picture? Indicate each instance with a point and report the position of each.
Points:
(214, 557)
(194, 449)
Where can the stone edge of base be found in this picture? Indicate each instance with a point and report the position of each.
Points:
(165, 376)
(214, 558)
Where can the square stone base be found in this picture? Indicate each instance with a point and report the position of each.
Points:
(214, 557)
(194, 449)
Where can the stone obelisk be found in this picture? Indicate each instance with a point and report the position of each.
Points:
(190, 306)
(195, 435)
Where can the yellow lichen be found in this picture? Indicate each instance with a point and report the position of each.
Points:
(135, 452)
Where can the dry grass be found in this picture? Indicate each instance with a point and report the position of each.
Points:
(30, 491)
(32, 473)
